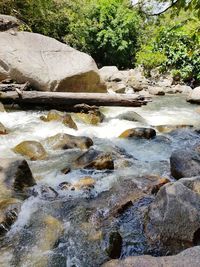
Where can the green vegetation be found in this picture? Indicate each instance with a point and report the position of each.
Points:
(115, 33)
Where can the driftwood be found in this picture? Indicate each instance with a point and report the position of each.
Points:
(67, 101)
(6, 86)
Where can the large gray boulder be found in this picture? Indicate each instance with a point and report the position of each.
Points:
(189, 257)
(194, 96)
(47, 64)
(174, 216)
(185, 163)
(8, 23)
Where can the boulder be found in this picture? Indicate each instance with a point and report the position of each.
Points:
(189, 257)
(185, 163)
(194, 96)
(108, 72)
(3, 129)
(8, 23)
(131, 116)
(31, 149)
(66, 119)
(174, 216)
(95, 159)
(116, 87)
(15, 177)
(183, 89)
(156, 90)
(48, 65)
(90, 118)
(66, 141)
(139, 132)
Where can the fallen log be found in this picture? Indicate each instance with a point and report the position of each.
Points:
(66, 101)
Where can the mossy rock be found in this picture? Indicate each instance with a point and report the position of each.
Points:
(93, 118)
(66, 119)
(139, 132)
(31, 149)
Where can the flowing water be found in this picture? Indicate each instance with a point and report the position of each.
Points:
(84, 238)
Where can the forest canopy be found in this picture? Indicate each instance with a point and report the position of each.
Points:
(116, 32)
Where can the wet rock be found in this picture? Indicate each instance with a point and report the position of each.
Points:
(85, 183)
(66, 119)
(131, 116)
(185, 163)
(9, 210)
(194, 96)
(31, 149)
(3, 129)
(94, 159)
(93, 117)
(65, 170)
(147, 133)
(188, 257)
(169, 128)
(174, 216)
(156, 90)
(114, 245)
(2, 109)
(66, 141)
(15, 177)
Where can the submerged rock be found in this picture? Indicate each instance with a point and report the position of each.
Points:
(9, 210)
(174, 216)
(66, 119)
(185, 163)
(15, 177)
(147, 133)
(66, 141)
(188, 257)
(31, 149)
(131, 116)
(47, 64)
(94, 159)
(3, 129)
(114, 245)
(169, 128)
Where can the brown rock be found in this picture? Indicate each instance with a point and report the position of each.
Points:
(147, 133)
(3, 129)
(170, 128)
(31, 149)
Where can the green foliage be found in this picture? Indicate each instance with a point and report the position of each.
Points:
(174, 47)
(47, 17)
(108, 30)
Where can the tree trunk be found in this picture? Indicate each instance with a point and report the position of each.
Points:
(66, 101)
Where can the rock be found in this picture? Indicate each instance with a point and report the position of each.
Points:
(156, 90)
(145, 93)
(85, 183)
(94, 159)
(15, 177)
(2, 109)
(116, 87)
(3, 129)
(169, 128)
(107, 72)
(8, 23)
(48, 65)
(136, 85)
(9, 210)
(67, 141)
(174, 216)
(31, 149)
(188, 257)
(66, 119)
(185, 163)
(114, 245)
(90, 118)
(131, 116)
(194, 96)
(147, 133)
(184, 89)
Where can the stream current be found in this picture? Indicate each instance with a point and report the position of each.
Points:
(80, 244)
